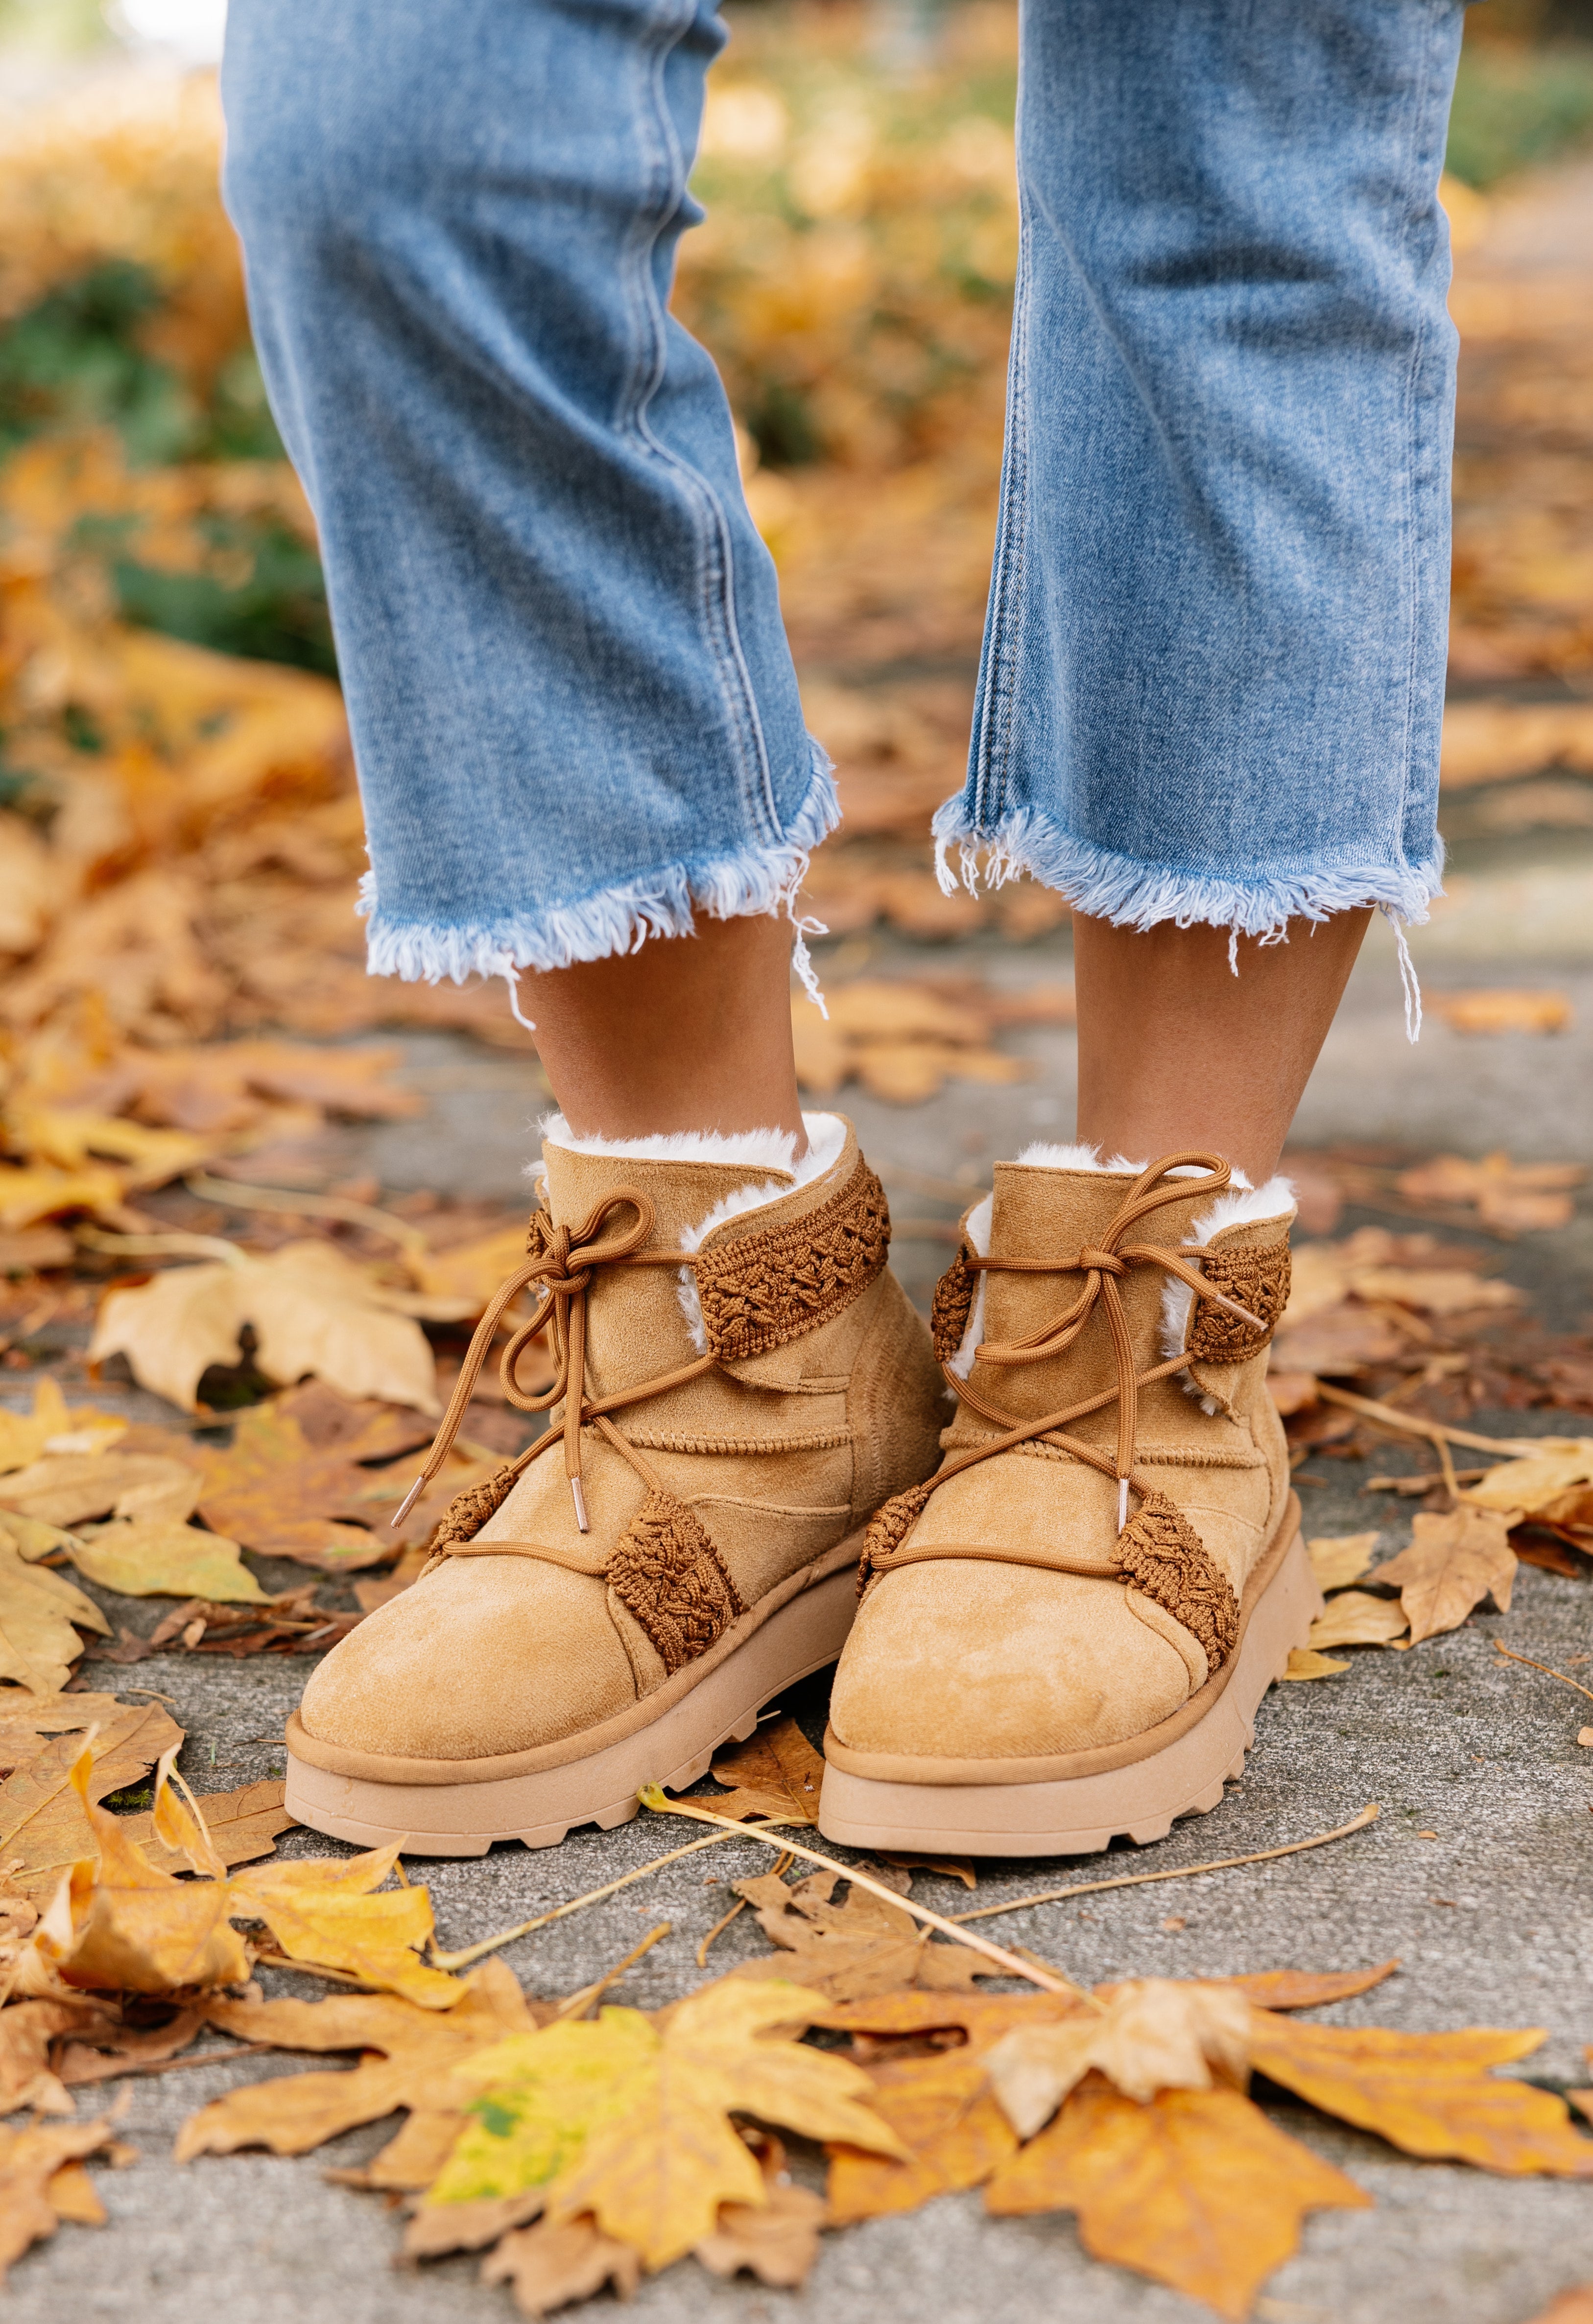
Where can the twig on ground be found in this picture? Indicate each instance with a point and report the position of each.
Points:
(1181, 1872)
(470, 1953)
(1545, 1667)
(578, 2003)
(1406, 1424)
(234, 1197)
(1050, 1980)
(719, 1930)
(116, 2071)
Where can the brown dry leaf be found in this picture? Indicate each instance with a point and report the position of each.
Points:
(1305, 1663)
(38, 1611)
(435, 2229)
(1337, 1560)
(313, 1309)
(1197, 2189)
(1533, 1485)
(849, 1951)
(776, 2240)
(30, 1192)
(1355, 1618)
(1504, 1009)
(408, 2055)
(123, 1926)
(1340, 1341)
(44, 1828)
(1291, 1392)
(904, 1039)
(32, 2162)
(1573, 2306)
(154, 1558)
(63, 1489)
(467, 1274)
(1152, 2034)
(1308, 1988)
(337, 1913)
(1435, 1290)
(1453, 1563)
(776, 1773)
(1505, 1194)
(27, 2029)
(552, 2267)
(283, 1496)
(104, 2050)
(943, 2112)
(243, 1825)
(1427, 2093)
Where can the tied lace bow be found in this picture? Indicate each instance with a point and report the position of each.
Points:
(564, 1262)
(1103, 1266)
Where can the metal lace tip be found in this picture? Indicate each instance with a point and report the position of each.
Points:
(579, 1498)
(407, 1504)
(1122, 1503)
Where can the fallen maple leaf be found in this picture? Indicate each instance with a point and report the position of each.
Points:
(282, 1496)
(32, 2162)
(243, 1825)
(409, 2055)
(552, 2266)
(629, 2123)
(1342, 1559)
(1152, 2034)
(43, 1826)
(33, 1191)
(1197, 2189)
(1355, 1618)
(332, 1912)
(1427, 2093)
(52, 1427)
(1306, 1662)
(1453, 1563)
(847, 1951)
(776, 2240)
(946, 2117)
(776, 1773)
(1532, 1485)
(313, 1309)
(1505, 1008)
(1505, 1194)
(64, 1489)
(38, 1611)
(154, 1558)
(27, 2030)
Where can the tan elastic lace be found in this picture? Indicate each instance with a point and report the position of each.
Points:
(564, 1262)
(1103, 1265)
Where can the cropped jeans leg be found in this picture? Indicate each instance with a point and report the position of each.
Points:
(1213, 666)
(574, 713)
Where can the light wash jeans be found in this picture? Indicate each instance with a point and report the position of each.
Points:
(1214, 656)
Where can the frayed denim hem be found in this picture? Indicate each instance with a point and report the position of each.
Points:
(619, 919)
(1134, 894)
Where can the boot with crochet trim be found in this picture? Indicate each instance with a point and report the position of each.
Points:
(1065, 1634)
(741, 1383)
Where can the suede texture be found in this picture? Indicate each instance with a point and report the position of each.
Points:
(779, 1458)
(972, 1656)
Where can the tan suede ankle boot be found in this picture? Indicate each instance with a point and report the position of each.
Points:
(741, 1383)
(1066, 1633)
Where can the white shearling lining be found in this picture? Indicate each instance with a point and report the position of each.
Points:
(978, 1235)
(1240, 1204)
(1041, 1156)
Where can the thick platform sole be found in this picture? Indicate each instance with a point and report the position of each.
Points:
(1078, 1815)
(465, 1819)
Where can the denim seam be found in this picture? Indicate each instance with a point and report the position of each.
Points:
(717, 563)
(1413, 486)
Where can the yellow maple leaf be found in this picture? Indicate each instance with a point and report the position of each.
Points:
(328, 1912)
(1152, 2033)
(52, 1427)
(630, 2122)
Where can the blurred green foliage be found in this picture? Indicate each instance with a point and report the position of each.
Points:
(1518, 107)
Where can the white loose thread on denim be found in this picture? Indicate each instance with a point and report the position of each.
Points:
(1129, 893)
(755, 882)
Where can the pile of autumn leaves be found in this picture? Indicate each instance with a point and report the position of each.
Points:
(578, 2144)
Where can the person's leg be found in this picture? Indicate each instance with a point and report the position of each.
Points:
(573, 708)
(1175, 1049)
(1213, 668)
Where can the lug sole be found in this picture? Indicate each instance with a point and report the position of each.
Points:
(466, 1819)
(1081, 1814)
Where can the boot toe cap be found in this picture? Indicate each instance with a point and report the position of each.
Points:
(960, 1659)
(487, 1656)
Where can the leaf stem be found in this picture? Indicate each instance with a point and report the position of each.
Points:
(235, 1197)
(174, 1245)
(470, 1953)
(1180, 1872)
(1405, 1423)
(1561, 1675)
(1050, 1981)
(575, 2005)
